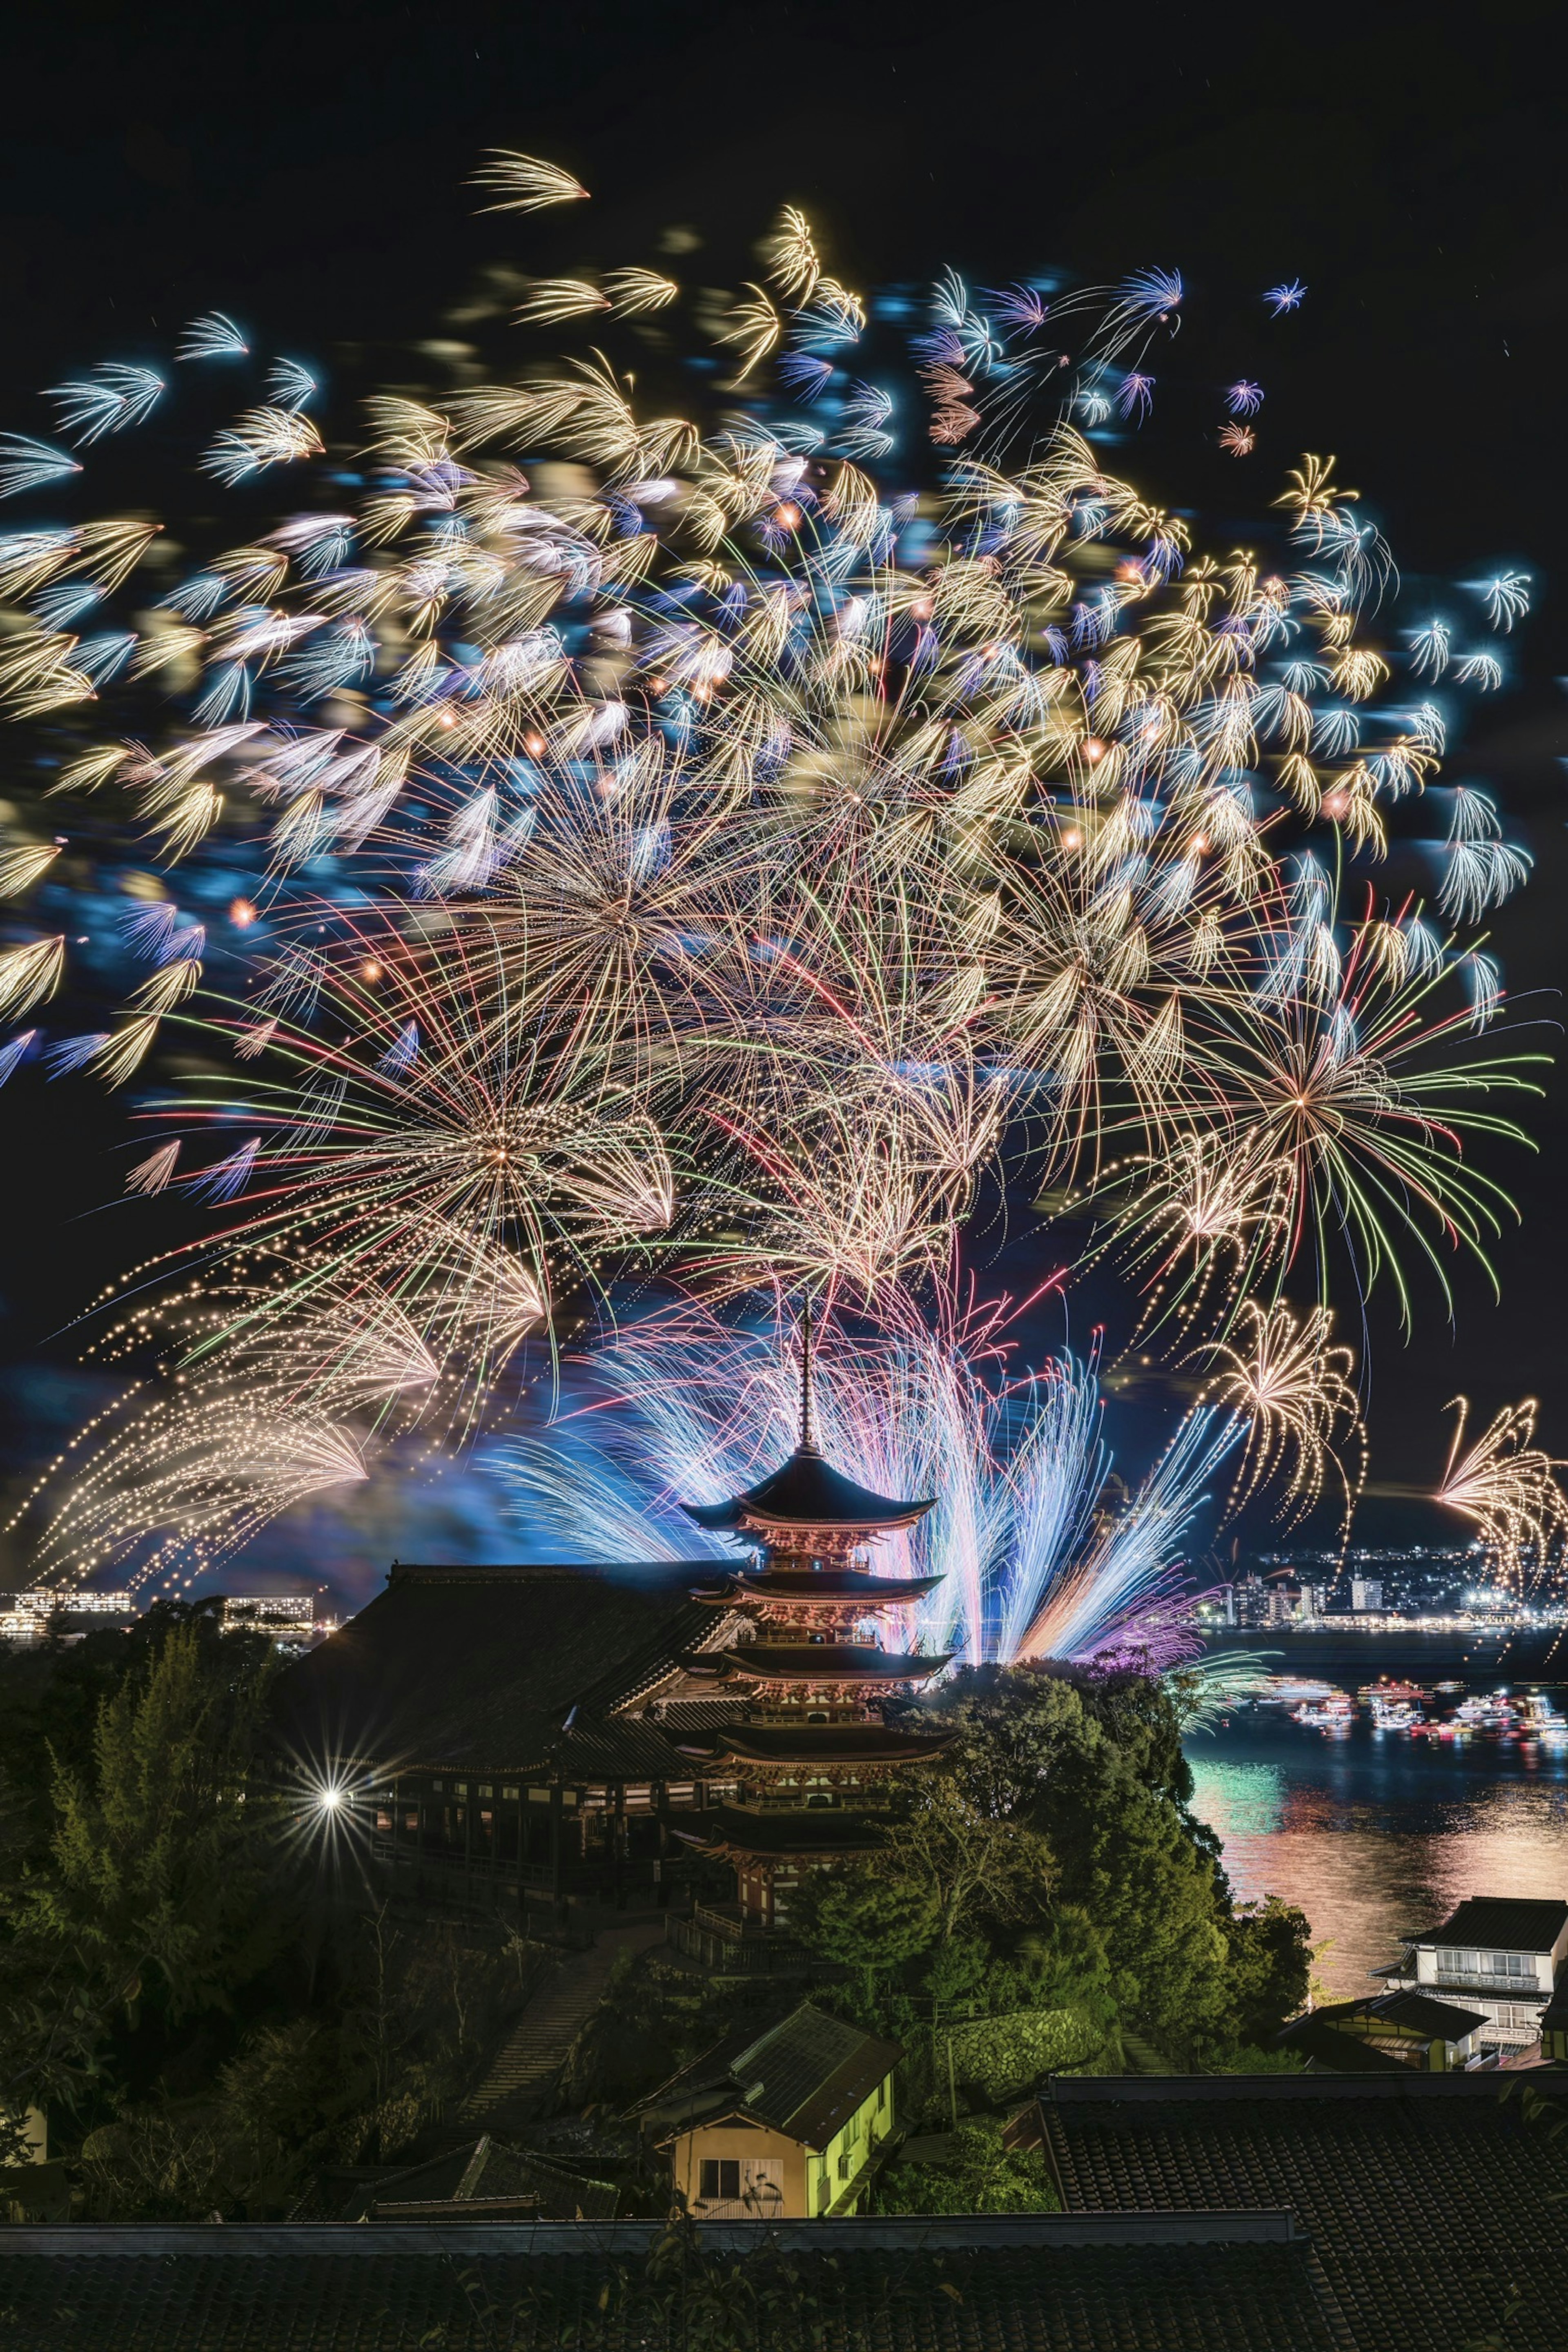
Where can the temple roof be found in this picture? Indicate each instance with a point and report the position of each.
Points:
(825, 1831)
(819, 1662)
(522, 1670)
(818, 1587)
(808, 1492)
(815, 1744)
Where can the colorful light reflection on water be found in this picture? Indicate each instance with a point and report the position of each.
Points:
(1375, 1834)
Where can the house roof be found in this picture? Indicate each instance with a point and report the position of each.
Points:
(1425, 2195)
(804, 2078)
(448, 2188)
(1341, 2053)
(1415, 2013)
(808, 1492)
(1184, 2283)
(501, 1669)
(1500, 1923)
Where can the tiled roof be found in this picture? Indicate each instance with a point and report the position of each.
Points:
(805, 2078)
(1341, 2053)
(1415, 2013)
(808, 1492)
(1501, 1923)
(996, 2283)
(480, 1669)
(447, 2188)
(1425, 2195)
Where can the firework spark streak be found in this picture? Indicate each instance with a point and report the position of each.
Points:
(728, 847)
(1507, 1487)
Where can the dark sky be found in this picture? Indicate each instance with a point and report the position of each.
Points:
(304, 167)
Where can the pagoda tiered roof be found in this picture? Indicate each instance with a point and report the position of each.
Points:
(813, 1744)
(818, 1662)
(814, 1588)
(808, 1494)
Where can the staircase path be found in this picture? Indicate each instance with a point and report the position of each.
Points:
(524, 2068)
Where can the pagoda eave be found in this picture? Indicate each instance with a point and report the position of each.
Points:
(822, 1663)
(820, 1836)
(816, 1746)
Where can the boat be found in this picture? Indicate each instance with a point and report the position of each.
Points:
(1294, 1691)
(1486, 1712)
(1541, 1720)
(1335, 1712)
(1387, 1688)
(1446, 1690)
(1394, 1713)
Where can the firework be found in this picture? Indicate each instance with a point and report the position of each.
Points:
(1507, 1487)
(1294, 1387)
(732, 845)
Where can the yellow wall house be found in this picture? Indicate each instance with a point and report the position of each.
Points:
(779, 2126)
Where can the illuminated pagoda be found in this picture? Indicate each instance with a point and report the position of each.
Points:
(798, 1768)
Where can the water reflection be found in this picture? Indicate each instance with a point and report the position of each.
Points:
(1375, 1834)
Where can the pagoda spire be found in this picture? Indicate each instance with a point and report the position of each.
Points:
(807, 1443)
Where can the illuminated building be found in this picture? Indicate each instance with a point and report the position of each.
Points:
(808, 1752)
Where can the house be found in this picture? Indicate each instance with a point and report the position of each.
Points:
(1504, 1954)
(782, 2125)
(1392, 2029)
(1430, 2199)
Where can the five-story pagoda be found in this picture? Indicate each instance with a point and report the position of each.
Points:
(808, 1752)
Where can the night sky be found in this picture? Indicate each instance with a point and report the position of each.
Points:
(303, 168)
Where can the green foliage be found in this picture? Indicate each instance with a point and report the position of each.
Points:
(162, 1853)
(1002, 2058)
(973, 1867)
(1270, 1964)
(157, 1893)
(865, 1917)
(977, 2175)
(1093, 1765)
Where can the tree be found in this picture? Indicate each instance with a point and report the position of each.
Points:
(1270, 1964)
(160, 1883)
(971, 1865)
(977, 2174)
(864, 1916)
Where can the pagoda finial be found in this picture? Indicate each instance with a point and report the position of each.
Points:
(808, 1443)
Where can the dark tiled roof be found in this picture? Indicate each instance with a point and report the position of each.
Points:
(808, 1492)
(805, 2078)
(820, 1743)
(1341, 2053)
(1501, 1923)
(810, 1830)
(1426, 2197)
(448, 2186)
(998, 2283)
(817, 1585)
(1332, 2035)
(478, 1669)
(825, 1662)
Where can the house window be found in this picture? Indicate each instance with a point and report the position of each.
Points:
(882, 2095)
(721, 2176)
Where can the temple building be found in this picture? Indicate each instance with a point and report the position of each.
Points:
(584, 1736)
(808, 1752)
